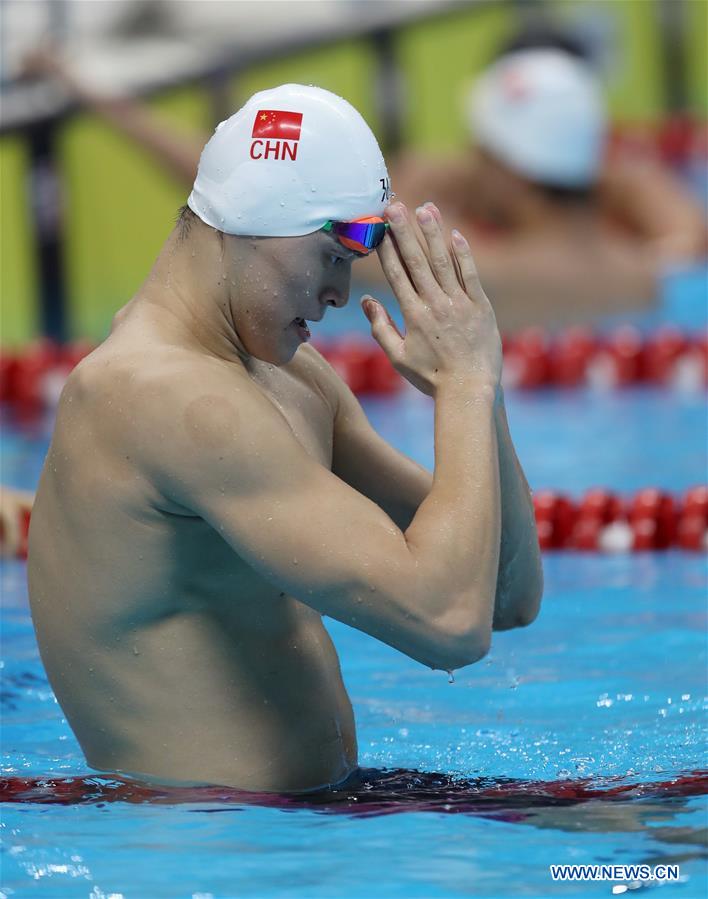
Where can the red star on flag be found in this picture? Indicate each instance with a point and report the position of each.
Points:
(277, 124)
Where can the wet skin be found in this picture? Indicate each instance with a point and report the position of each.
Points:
(207, 468)
(172, 658)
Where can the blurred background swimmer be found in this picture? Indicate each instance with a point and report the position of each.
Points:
(563, 230)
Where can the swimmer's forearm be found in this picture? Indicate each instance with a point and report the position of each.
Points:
(455, 533)
(176, 152)
(520, 577)
(653, 202)
(172, 149)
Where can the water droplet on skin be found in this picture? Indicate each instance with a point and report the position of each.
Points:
(136, 651)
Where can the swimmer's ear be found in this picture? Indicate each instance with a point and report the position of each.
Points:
(383, 327)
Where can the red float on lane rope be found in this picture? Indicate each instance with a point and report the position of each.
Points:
(600, 521)
(32, 379)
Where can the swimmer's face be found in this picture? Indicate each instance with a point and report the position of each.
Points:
(281, 279)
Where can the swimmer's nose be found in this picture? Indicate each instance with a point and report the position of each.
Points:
(334, 298)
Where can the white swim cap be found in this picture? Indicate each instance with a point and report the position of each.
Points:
(290, 160)
(541, 112)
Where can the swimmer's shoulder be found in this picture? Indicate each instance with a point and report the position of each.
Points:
(137, 373)
(135, 397)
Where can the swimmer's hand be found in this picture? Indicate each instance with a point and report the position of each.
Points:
(451, 330)
(15, 508)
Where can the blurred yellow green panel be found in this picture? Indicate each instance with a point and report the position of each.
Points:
(19, 318)
(121, 207)
(627, 34)
(346, 69)
(696, 48)
(439, 60)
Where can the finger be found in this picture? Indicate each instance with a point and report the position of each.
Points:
(383, 329)
(440, 260)
(468, 270)
(397, 276)
(375, 306)
(421, 242)
(411, 252)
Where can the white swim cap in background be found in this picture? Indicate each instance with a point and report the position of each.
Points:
(541, 112)
(290, 160)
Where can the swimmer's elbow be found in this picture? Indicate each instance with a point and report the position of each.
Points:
(518, 611)
(530, 606)
(463, 644)
(474, 650)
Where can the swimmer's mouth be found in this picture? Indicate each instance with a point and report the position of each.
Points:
(303, 330)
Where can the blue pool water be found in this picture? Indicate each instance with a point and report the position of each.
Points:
(608, 684)
(607, 688)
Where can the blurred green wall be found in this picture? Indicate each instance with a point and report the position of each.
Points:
(120, 204)
(439, 61)
(697, 56)
(19, 318)
(633, 66)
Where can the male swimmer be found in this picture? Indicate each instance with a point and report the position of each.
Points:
(213, 488)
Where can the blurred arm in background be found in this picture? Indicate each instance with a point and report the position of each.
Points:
(652, 204)
(170, 147)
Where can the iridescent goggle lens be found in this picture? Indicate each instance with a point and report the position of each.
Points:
(361, 236)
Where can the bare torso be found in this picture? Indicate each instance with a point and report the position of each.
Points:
(172, 659)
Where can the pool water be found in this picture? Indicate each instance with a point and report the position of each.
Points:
(606, 690)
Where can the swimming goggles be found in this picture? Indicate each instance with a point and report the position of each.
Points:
(361, 236)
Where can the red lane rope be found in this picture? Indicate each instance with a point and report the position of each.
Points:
(600, 521)
(32, 379)
(388, 792)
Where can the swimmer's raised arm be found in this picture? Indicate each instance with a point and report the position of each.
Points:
(399, 485)
(172, 148)
(232, 460)
(519, 584)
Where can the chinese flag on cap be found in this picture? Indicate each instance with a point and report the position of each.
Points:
(273, 123)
